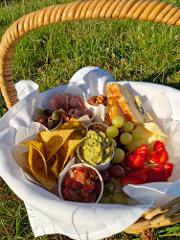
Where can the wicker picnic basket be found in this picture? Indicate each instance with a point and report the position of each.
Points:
(147, 10)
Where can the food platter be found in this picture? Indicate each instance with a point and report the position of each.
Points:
(41, 198)
(127, 144)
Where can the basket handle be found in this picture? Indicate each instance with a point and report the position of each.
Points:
(148, 10)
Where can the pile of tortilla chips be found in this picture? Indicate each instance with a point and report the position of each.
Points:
(48, 154)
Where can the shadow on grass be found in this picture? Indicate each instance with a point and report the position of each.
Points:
(5, 2)
(162, 77)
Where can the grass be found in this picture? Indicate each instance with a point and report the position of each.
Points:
(129, 50)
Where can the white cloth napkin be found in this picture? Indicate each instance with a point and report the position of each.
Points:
(48, 214)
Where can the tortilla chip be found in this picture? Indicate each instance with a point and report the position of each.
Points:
(24, 164)
(48, 156)
(37, 162)
(51, 181)
(79, 129)
(51, 161)
(35, 166)
(75, 136)
(22, 160)
(37, 145)
(38, 169)
(64, 154)
(70, 125)
(57, 166)
(54, 140)
(36, 151)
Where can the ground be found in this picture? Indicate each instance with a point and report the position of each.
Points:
(129, 50)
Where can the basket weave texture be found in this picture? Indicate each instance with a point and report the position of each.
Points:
(146, 10)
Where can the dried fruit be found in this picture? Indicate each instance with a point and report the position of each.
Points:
(96, 100)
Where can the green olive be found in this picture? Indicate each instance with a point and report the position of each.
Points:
(56, 116)
(50, 124)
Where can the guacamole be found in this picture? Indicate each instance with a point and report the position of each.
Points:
(96, 148)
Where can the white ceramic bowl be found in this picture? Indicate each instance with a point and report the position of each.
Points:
(99, 167)
(61, 178)
(98, 126)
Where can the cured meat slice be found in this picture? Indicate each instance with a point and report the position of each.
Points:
(75, 102)
(73, 106)
(76, 112)
(60, 101)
